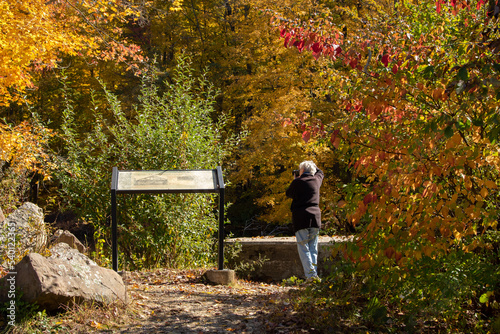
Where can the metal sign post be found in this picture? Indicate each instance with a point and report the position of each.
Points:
(166, 181)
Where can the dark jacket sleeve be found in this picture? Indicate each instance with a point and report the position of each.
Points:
(319, 175)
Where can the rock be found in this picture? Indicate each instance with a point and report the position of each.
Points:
(22, 232)
(65, 277)
(223, 277)
(68, 238)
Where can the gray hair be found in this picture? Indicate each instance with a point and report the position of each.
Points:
(308, 167)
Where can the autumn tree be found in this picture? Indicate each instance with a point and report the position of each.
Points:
(23, 160)
(38, 38)
(417, 98)
(36, 34)
(417, 114)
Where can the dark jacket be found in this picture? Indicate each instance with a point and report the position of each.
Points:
(304, 192)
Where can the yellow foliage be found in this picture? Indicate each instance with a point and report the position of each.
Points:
(31, 36)
(176, 6)
(34, 34)
(23, 147)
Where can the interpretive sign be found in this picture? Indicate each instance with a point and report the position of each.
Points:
(171, 180)
(167, 181)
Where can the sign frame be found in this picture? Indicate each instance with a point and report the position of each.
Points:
(157, 182)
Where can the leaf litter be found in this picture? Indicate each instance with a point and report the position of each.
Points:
(183, 301)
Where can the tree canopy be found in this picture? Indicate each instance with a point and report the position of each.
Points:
(418, 99)
(36, 34)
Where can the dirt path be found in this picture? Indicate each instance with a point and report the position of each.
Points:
(167, 301)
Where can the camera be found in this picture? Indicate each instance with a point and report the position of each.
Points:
(296, 173)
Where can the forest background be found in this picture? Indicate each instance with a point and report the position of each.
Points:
(397, 101)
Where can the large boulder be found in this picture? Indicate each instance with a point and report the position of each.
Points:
(66, 277)
(22, 232)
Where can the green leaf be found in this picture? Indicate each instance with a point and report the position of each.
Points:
(428, 72)
(448, 132)
(493, 134)
(463, 74)
(478, 122)
(484, 298)
(434, 126)
(461, 126)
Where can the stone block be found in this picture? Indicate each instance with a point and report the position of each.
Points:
(222, 277)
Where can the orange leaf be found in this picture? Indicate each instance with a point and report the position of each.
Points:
(306, 135)
(389, 252)
(490, 184)
(335, 139)
(437, 93)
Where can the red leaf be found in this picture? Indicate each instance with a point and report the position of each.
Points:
(353, 62)
(306, 135)
(398, 256)
(371, 197)
(287, 38)
(338, 50)
(316, 48)
(389, 252)
(395, 68)
(283, 32)
(367, 199)
(385, 60)
(299, 44)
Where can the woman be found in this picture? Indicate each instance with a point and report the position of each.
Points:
(306, 215)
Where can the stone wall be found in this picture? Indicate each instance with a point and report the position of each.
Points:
(284, 261)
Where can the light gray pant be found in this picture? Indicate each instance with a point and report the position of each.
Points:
(307, 244)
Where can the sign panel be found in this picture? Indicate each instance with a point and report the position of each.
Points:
(172, 180)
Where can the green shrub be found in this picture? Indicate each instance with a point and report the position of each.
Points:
(456, 292)
(165, 131)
